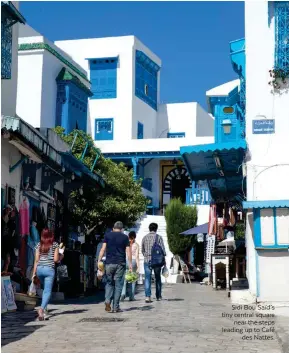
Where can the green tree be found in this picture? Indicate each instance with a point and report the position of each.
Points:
(121, 199)
(179, 218)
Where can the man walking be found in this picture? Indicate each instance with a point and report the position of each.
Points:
(117, 248)
(154, 253)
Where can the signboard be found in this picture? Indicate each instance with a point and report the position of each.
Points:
(7, 290)
(264, 126)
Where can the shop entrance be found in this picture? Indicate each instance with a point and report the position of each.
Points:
(179, 185)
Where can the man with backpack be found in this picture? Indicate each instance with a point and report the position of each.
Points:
(154, 253)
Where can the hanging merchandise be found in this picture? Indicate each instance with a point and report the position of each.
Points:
(212, 219)
(32, 241)
(24, 232)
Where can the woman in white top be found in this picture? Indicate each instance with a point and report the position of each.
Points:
(135, 267)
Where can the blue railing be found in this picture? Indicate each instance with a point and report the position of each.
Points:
(147, 184)
(198, 196)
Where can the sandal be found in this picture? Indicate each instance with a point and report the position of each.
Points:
(41, 315)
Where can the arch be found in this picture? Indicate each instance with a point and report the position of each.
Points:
(175, 183)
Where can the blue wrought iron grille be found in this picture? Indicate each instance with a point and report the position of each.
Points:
(103, 129)
(139, 130)
(6, 44)
(282, 35)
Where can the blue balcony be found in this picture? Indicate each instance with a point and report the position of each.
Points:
(198, 196)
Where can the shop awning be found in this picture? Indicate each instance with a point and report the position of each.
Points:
(72, 163)
(204, 228)
(220, 164)
(29, 141)
(266, 204)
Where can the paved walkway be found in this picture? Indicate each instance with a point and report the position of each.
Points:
(191, 319)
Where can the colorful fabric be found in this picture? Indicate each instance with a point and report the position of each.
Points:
(24, 217)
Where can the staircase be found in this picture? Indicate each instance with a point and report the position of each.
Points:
(142, 229)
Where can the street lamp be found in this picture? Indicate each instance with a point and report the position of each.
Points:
(227, 126)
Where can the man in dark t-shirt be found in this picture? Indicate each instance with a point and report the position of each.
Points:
(117, 248)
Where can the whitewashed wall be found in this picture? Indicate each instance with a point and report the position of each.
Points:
(187, 117)
(119, 108)
(9, 87)
(9, 156)
(268, 168)
(37, 88)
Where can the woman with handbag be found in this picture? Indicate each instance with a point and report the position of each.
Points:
(47, 254)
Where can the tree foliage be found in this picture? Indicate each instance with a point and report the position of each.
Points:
(179, 218)
(121, 199)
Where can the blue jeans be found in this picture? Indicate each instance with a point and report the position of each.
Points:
(131, 286)
(148, 281)
(46, 275)
(114, 283)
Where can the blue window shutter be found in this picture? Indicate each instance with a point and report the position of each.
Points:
(103, 129)
(103, 77)
(146, 73)
(282, 35)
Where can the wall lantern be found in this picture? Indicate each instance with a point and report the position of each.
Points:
(227, 126)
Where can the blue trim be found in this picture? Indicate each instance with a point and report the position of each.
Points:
(134, 163)
(266, 204)
(258, 236)
(146, 79)
(129, 155)
(257, 228)
(176, 134)
(103, 129)
(212, 147)
(139, 130)
(103, 77)
(17, 164)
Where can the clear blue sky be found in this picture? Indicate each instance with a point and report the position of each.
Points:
(191, 38)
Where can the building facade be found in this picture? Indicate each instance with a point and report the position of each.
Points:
(267, 126)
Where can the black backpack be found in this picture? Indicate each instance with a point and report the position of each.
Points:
(158, 258)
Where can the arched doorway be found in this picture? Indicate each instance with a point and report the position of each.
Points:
(176, 182)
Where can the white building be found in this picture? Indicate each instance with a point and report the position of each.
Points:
(10, 155)
(267, 126)
(126, 118)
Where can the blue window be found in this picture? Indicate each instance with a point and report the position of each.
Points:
(139, 130)
(146, 79)
(282, 35)
(103, 77)
(71, 102)
(103, 129)
(172, 135)
(271, 228)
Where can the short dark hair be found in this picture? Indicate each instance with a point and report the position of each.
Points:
(153, 227)
(118, 225)
(132, 234)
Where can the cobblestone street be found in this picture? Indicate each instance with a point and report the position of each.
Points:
(189, 319)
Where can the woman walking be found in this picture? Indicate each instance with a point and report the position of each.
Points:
(135, 267)
(47, 254)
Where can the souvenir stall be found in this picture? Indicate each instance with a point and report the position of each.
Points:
(226, 237)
